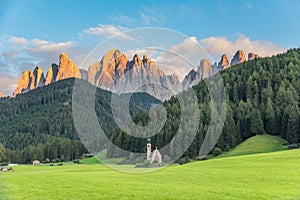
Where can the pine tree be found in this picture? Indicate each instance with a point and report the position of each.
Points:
(2, 153)
(256, 123)
(270, 123)
(292, 131)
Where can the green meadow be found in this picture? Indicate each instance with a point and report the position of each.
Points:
(258, 144)
(261, 176)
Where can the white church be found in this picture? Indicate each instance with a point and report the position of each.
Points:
(155, 156)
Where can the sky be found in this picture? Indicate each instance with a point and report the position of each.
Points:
(35, 32)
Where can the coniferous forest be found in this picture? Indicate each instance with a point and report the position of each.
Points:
(262, 97)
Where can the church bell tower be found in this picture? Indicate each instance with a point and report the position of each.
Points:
(148, 149)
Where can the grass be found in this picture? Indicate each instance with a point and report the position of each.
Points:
(258, 144)
(261, 176)
(100, 157)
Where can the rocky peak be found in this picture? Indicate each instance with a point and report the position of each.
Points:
(112, 66)
(39, 80)
(112, 56)
(147, 60)
(252, 56)
(191, 75)
(66, 68)
(224, 62)
(137, 60)
(30, 80)
(121, 75)
(51, 74)
(205, 68)
(239, 57)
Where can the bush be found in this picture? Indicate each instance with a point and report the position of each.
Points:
(293, 146)
(76, 161)
(139, 160)
(47, 160)
(56, 160)
(182, 161)
(147, 163)
(218, 151)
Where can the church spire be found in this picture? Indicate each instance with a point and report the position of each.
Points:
(148, 149)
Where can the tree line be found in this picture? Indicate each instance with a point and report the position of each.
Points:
(262, 96)
(39, 124)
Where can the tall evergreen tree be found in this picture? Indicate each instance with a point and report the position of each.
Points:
(292, 131)
(2, 153)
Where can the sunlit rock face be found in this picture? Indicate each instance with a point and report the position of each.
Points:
(239, 57)
(204, 70)
(224, 62)
(118, 74)
(30, 80)
(252, 56)
(65, 69)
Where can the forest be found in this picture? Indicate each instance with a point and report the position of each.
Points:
(262, 96)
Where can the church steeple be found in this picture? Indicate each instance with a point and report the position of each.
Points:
(149, 149)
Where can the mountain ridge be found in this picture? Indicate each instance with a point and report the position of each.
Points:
(116, 73)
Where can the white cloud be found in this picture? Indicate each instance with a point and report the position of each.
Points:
(217, 46)
(8, 84)
(18, 54)
(108, 30)
(182, 57)
(18, 40)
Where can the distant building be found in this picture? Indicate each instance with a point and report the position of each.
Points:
(155, 156)
(36, 162)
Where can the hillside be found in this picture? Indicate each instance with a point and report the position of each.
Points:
(262, 97)
(39, 123)
(260, 176)
(258, 144)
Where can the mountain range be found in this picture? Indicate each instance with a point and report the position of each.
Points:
(262, 97)
(116, 73)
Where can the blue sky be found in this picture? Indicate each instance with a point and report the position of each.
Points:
(33, 32)
(63, 20)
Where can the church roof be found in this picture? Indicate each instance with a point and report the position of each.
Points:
(156, 152)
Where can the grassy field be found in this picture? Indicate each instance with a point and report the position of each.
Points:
(261, 176)
(101, 156)
(258, 144)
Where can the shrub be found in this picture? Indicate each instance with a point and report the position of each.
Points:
(76, 161)
(147, 163)
(182, 161)
(139, 160)
(218, 151)
(293, 146)
(56, 160)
